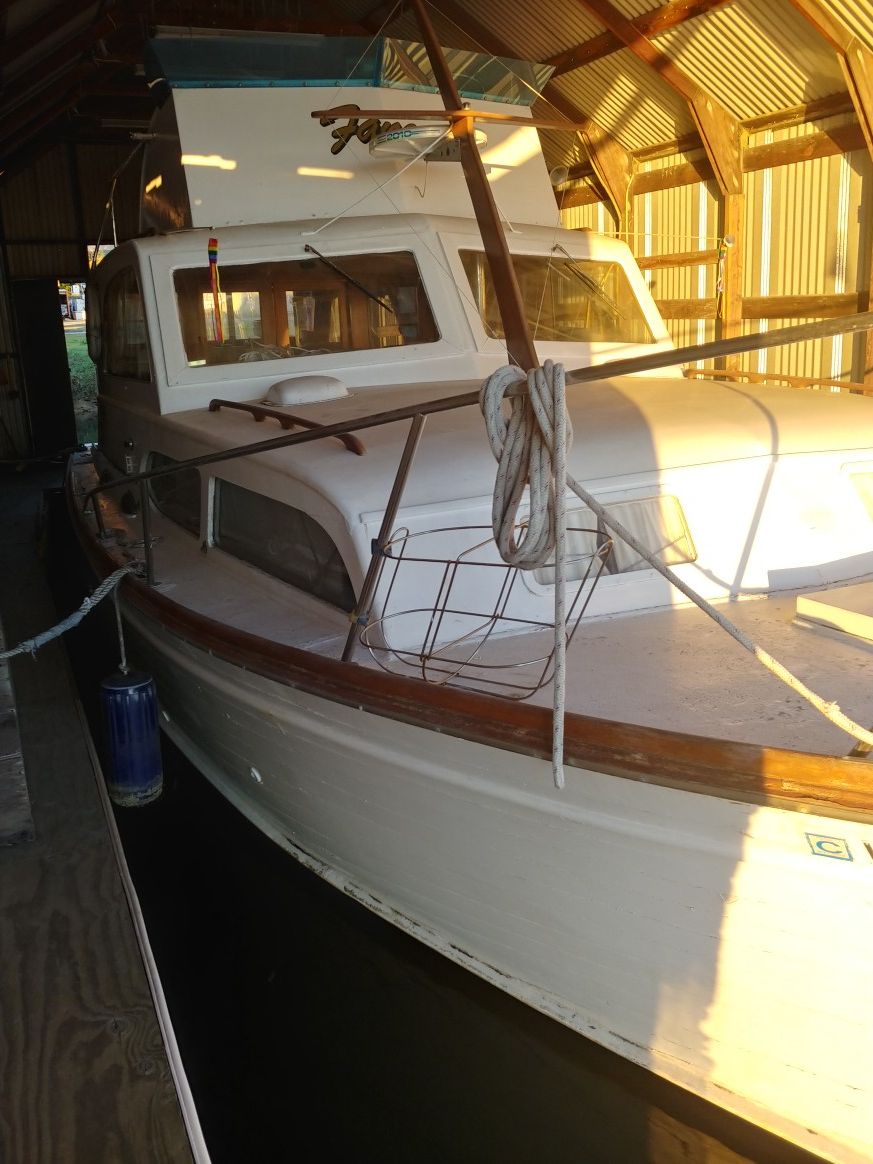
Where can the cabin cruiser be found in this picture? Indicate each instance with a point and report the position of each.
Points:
(291, 445)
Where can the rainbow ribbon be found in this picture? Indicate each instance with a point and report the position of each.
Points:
(212, 251)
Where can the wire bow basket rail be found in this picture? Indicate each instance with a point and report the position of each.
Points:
(456, 619)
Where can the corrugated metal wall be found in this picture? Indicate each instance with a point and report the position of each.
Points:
(808, 230)
(52, 211)
(14, 428)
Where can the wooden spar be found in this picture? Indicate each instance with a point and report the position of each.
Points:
(519, 343)
(450, 115)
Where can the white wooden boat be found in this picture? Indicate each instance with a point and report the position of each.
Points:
(699, 895)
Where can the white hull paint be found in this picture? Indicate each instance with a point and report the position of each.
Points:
(719, 944)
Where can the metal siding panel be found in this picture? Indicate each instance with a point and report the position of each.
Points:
(14, 427)
(38, 202)
(813, 358)
(594, 216)
(95, 167)
(46, 260)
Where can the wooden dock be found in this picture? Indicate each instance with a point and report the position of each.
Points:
(84, 1074)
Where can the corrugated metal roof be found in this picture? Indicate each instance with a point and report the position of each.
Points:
(626, 97)
(755, 58)
(535, 33)
(856, 15)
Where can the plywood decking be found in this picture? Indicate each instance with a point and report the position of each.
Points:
(83, 1071)
(16, 821)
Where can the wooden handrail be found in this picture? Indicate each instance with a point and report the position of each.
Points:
(287, 420)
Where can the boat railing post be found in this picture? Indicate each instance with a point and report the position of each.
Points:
(360, 615)
(146, 532)
(98, 517)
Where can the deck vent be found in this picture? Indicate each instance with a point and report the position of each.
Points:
(305, 390)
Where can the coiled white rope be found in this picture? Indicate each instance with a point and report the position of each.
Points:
(31, 646)
(531, 446)
(531, 452)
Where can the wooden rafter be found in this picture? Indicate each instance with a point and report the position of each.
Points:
(719, 130)
(33, 34)
(42, 73)
(649, 24)
(856, 60)
(842, 140)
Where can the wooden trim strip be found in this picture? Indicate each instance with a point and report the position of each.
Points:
(769, 307)
(687, 308)
(678, 259)
(834, 786)
(802, 306)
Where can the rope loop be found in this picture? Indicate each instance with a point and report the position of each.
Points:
(523, 444)
(530, 446)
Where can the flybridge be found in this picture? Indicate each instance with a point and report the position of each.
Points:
(235, 141)
(230, 60)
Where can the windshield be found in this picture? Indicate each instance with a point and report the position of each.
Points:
(565, 299)
(270, 311)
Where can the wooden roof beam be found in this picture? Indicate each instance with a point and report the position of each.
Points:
(856, 60)
(649, 24)
(43, 72)
(33, 34)
(719, 130)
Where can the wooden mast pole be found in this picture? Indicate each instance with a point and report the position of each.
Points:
(518, 338)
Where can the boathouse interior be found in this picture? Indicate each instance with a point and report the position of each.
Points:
(728, 142)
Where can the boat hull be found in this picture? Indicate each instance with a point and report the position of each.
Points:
(726, 946)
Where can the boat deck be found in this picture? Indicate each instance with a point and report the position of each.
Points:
(671, 668)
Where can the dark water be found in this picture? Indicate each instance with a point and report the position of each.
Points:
(310, 1029)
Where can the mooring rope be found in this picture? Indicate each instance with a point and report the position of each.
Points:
(531, 446)
(525, 445)
(31, 646)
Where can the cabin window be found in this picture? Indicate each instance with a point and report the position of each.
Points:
(125, 351)
(566, 299)
(177, 495)
(282, 541)
(311, 306)
(657, 522)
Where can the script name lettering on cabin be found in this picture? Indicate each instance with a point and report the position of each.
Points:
(364, 131)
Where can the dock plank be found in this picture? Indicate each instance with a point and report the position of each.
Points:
(84, 1077)
(16, 820)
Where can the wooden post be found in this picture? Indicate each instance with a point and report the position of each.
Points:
(731, 272)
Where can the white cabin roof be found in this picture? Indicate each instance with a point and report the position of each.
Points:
(629, 428)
